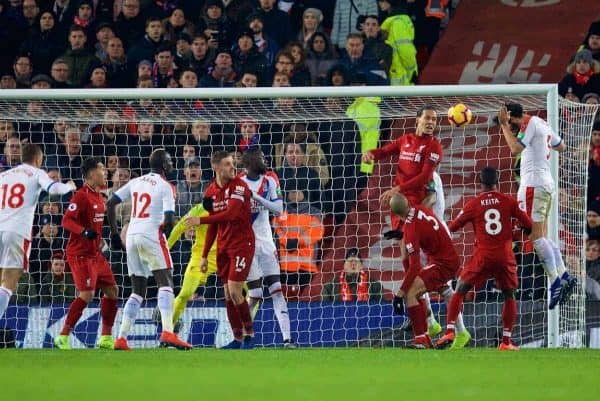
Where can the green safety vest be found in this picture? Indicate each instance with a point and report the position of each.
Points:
(367, 116)
(401, 34)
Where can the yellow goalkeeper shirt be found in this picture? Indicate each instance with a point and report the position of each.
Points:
(198, 246)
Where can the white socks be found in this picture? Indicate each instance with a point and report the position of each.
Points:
(165, 305)
(544, 250)
(558, 260)
(5, 295)
(255, 296)
(130, 311)
(459, 324)
(281, 310)
(430, 318)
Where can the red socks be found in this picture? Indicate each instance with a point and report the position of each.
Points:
(75, 311)
(509, 316)
(418, 318)
(108, 311)
(234, 320)
(244, 313)
(454, 307)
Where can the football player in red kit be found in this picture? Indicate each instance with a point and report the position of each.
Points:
(491, 214)
(230, 222)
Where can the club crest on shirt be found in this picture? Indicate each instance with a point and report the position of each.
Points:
(72, 207)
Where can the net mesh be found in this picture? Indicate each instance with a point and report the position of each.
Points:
(343, 199)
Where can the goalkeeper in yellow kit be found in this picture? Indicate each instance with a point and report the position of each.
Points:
(193, 276)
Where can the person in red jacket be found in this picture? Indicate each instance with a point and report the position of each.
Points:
(83, 219)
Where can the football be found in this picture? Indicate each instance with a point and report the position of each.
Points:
(459, 115)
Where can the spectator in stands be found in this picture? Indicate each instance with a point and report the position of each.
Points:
(247, 58)
(237, 11)
(104, 33)
(222, 74)
(162, 70)
(300, 73)
(202, 56)
(592, 40)
(77, 57)
(11, 154)
(57, 285)
(593, 221)
(249, 79)
(118, 72)
(176, 25)
(46, 242)
(97, 78)
(141, 146)
(375, 42)
(69, 156)
(113, 132)
(120, 177)
(357, 62)
(338, 75)
(216, 26)
(189, 190)
(400, 32)
(592, 268)
(60, 74)
(353, 283)
(591, 98)
(187, 78)
(41, 81)
(30, 13)
(295, 176)
(299, 231)
(11, 37)
(146, 47)
(8, 81)
(583, 75)
(311, 24)
(85, 18)
(23, 69)
(345, 16)
(183, 50)
(277, 24)
(265, 44)
(321, 56)
(65, 11)
(45, 44)
(130, 23)
(7, 129)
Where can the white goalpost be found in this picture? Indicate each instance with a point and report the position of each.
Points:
(313, 138)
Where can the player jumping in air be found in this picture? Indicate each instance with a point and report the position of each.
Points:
(423, 231)
(84, 219)
(491, 215)
(534, 141)
(20, 188)
(152, 214)
(266, 197)
(230, 222)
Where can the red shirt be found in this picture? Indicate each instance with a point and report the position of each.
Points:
(424, 231)
(491, 214)
(86, 210)
(231, 218)
(418, 158)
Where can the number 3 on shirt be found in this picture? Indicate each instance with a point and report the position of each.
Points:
(144, 201)
(240, 263)
(423, 216)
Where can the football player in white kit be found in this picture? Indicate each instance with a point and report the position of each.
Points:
(266, 197)
(534, 141)
(152, 214)
(20, 188)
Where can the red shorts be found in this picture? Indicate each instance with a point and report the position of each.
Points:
(234, 264)
(436, 276)
(91, 273)
(479, 269)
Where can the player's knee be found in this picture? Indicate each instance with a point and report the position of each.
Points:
(111, 292)
(236, 297)
(256, 293)
(86, 296)
(463, 287)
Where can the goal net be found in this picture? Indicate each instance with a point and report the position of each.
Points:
(313, 139)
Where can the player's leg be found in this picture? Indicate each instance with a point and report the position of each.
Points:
(462, 334)
(164, 280)
(281, 308)
(237, 298)
(10, 280)
(509, 317)
(108, 302)
(131, 308)
(234, 319)
(454, 308)
(192, 279)
(14, 255)
(84, 276)
(255, 283)
(417, 313)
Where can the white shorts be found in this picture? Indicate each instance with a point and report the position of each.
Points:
(145, 255)
(265, 262)
(535, 202)
(14, 251)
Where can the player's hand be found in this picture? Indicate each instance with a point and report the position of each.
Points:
(387, 195)
(207, 204)
(367, 157)
(503, 116)
(203, 265)
(89, 233)
(71, 184)
(291, 244)
(192, 221)
(393, 234)
(398, 305)
(116, 243)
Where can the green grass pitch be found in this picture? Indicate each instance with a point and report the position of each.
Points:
(304, 374)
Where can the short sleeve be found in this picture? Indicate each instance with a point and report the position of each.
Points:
(434, 154)
(168, 198)
(274, 190)
(75, 206)
(124, 192)
(526, 137)
(43, 180)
